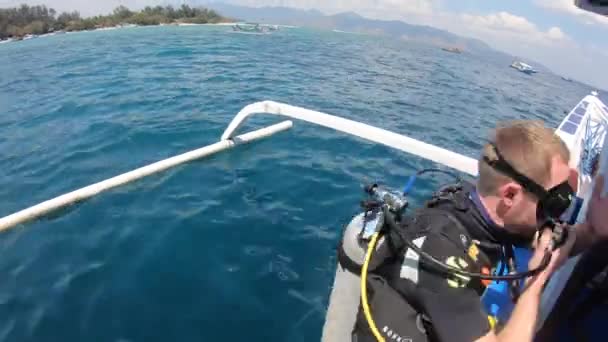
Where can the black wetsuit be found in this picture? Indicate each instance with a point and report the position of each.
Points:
(413, 302)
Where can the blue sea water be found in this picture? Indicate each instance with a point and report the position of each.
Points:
(240, 246)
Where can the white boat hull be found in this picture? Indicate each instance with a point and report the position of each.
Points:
(583, 128)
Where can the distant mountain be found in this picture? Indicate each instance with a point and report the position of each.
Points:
(275, 15)
(353, 22)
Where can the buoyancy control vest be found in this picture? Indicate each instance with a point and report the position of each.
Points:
(449, 214)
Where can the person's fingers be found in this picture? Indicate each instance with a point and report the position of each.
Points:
(571, 237)
(536, 239)
(545, 238)
(541, 245)
(560, 255)
(598, 187)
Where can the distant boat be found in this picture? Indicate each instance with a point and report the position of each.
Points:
(452, 49)
(523, 67)
(109, 28)
(566, 79)
(254, 28)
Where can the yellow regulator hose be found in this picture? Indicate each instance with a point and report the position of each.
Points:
(366, 310)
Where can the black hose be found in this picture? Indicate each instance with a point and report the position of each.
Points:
(443, 267)
(436, 170)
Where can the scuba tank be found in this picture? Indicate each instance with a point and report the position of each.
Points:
(346, 291)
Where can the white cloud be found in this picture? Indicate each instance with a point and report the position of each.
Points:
(502, 21)
(503, 30)
(556, 33)
(568, 7)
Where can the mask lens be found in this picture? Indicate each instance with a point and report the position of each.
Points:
(556, 203)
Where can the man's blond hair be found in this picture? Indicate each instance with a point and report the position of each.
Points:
(528, 146)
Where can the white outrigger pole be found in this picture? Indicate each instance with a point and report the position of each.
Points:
(87, 192)
(229, 140)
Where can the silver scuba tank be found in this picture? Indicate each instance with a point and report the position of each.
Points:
(346, 291)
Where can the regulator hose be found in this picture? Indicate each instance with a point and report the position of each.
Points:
(366, 311)
(443, 267)
(437, 265)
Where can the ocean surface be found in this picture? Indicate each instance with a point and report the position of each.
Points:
(240, 246)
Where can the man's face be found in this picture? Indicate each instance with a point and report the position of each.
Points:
(519, 206)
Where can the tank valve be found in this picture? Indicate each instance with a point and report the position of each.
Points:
(395, 201)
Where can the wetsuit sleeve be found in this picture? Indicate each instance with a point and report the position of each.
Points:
(450, 302)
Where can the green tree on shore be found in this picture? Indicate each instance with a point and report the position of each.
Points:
(23, 20)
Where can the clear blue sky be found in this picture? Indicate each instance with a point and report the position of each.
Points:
(555, 33)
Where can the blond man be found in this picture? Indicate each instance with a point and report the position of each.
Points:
(524, 186)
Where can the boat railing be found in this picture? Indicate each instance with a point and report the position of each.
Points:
(378, 135)
(230, 140)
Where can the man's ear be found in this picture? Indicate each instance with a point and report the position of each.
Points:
(508, 191)
(573, 179)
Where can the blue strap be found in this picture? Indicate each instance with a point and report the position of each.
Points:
(409, 185)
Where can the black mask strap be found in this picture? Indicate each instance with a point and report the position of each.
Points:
(551, 203)
(501, 165)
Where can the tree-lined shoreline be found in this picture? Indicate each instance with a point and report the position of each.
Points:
(19, 22)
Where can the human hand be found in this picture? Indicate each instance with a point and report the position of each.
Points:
(558, 256)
